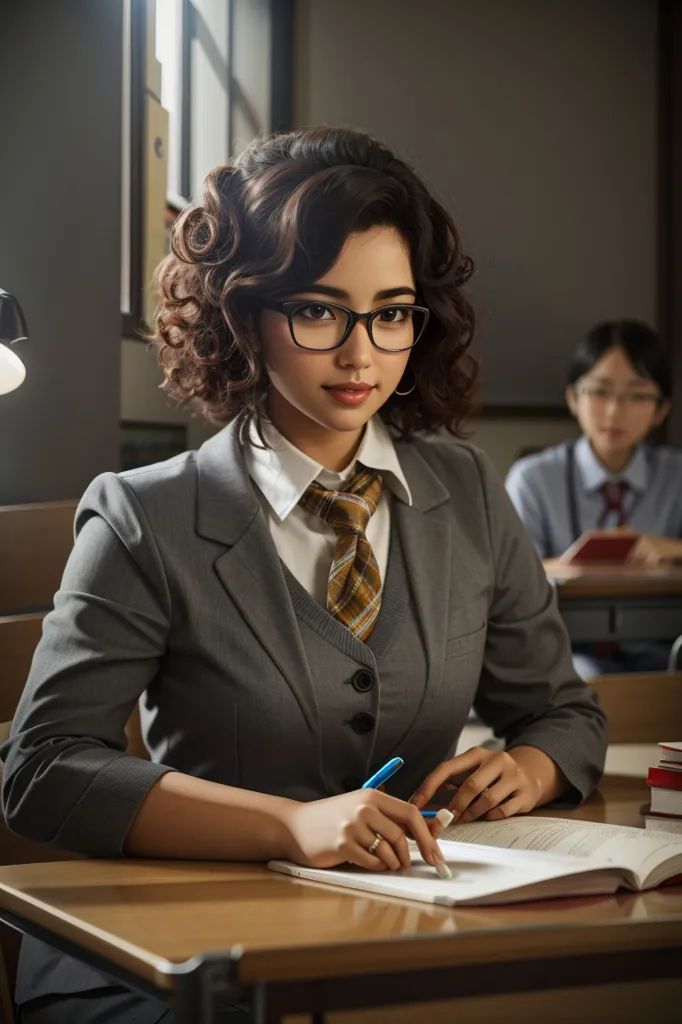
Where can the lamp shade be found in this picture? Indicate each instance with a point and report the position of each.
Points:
(12, 370)
(12, 328)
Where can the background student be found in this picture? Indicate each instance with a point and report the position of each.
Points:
(619, 390)
(306, 596)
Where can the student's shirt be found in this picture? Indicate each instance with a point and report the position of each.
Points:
(538, 488)
(304, 541)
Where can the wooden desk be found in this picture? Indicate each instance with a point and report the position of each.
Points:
(618, 602)
(193, 931)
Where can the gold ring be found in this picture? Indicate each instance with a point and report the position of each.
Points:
(372, 848)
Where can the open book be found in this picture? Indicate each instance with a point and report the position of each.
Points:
(521, 859)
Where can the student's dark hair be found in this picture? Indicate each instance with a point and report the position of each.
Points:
(273, 222)
(641, 344)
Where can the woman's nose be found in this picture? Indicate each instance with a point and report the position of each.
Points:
(357, 348)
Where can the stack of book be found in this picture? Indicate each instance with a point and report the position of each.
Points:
(665, 781)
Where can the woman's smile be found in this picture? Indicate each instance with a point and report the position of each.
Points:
(350, 393)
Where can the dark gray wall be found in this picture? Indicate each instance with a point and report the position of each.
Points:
(536, 122)
(671, 201)
(60, 186)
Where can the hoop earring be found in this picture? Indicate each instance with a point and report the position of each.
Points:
(409, 392)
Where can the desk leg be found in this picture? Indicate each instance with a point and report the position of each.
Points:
(269, 1009)
(203, 987)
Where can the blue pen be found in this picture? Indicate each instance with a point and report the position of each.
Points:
(385, 773)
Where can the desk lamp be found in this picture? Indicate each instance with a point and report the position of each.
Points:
(12, 328)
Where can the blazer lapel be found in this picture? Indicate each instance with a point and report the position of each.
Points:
(229, 513)
(427, 544)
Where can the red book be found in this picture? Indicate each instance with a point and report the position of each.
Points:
(668, 778)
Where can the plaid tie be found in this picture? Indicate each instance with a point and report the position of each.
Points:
(614, 503)
(354, 587)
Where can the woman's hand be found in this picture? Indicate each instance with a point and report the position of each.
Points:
(341, 829)
(652, 550)
(494, 783)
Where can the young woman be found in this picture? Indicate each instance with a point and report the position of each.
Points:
(619, 391)
(316, 589)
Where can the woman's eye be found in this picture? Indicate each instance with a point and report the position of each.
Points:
(315, 311)
(393, 315)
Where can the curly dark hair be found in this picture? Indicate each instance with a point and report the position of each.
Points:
(275, 221)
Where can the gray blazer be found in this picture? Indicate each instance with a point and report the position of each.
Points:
(174, 590)
(174, 593)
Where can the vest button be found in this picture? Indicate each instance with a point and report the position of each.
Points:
(363, 722)
(351, 783)
(363, 680)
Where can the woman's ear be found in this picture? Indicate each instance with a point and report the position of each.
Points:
(662, 412)
(571, 400)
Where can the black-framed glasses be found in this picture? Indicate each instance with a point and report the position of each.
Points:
(321, 326)
(602, 395)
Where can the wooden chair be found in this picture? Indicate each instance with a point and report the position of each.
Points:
(35, 541)
(642, 707)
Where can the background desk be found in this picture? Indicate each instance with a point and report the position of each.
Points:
(190, 931)
(618, 603)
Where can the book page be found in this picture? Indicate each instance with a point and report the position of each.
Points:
(650, 857)
(479, 875)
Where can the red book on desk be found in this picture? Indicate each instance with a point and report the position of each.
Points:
(601, 546)
(668, 777)
(666, 789)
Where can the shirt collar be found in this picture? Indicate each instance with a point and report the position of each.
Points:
(282, 472)
(594, 475)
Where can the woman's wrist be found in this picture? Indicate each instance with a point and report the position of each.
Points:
(544, 773)
(282, 830)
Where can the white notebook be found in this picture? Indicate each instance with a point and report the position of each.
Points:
(521, 859)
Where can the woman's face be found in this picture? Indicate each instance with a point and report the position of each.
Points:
(615, 405)
(313, 389)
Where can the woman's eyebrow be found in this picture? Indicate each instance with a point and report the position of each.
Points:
(393, 293)
(325, 289)
(339, 293)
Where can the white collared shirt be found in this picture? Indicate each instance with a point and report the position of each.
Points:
(304, 541)
(594, 474)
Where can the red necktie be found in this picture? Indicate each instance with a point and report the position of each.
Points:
(614, 502)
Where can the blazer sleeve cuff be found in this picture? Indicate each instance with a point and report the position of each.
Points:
(583, 769)
(101, 820)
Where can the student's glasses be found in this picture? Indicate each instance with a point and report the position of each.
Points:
(604, 396)
(321, 326)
